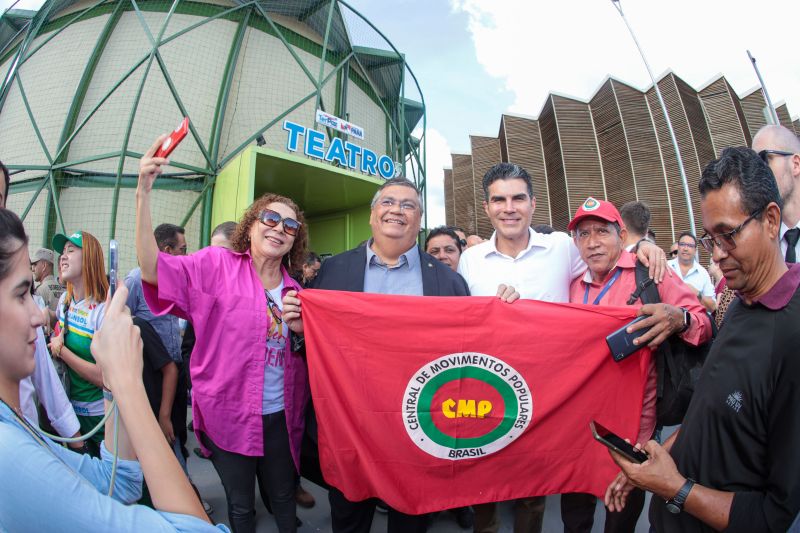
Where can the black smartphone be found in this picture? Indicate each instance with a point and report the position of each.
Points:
(113, 266)
(614, 442)
(621, 342)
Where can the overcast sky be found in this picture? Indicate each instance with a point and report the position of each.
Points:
(476, 59)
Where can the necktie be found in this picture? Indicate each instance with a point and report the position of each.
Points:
(791, 237)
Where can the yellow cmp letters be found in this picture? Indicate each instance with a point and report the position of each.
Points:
(466, 408)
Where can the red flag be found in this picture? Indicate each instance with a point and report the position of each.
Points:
(432, 403)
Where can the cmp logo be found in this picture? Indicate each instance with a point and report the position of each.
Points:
(466, 405)
(590, 204)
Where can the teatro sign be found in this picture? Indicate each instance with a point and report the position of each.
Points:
(345, 153)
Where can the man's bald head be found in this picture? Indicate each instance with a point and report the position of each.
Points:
(773, 137)
(780, 148)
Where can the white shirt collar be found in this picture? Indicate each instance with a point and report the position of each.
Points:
(534, 240)
(784, 229)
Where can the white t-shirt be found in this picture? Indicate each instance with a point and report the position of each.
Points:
(272, 399)
(542, 271)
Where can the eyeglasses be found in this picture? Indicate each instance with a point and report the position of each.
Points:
(673, 253)
(724, 241)
(687, 245)
(271, 218)
(764, 154)
(405, 205)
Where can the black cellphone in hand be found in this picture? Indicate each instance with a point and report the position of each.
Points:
(614, 442)
(621, 342)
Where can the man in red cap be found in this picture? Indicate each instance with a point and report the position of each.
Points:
(599, 233)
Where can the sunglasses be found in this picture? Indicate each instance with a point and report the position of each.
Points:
(673, 253)
(271, 219)
(764, 154)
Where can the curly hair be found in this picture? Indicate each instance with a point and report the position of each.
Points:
(240, 242)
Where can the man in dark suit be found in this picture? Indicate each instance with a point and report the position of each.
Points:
(391, 262)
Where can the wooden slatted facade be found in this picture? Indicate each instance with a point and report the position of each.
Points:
(783, 115)
(554, 167)
(485, 154)
(582, 169)
(449, 199)
(521, 143)
(753, 105)
(614, 152)
(463, 193)
(617, 147)
(724, 122)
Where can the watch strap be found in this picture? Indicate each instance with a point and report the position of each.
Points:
(676, 502)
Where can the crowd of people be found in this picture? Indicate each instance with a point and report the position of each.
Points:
(224, 327)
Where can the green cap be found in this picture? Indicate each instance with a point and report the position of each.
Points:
(60, 240)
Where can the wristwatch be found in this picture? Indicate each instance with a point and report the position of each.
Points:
(687, 320)
(675, 504)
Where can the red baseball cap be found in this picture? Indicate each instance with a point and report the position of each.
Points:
(596, 209)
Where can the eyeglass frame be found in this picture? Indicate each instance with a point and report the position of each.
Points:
(709, 241)
(404, 205)
(764, 153)
(286, 229)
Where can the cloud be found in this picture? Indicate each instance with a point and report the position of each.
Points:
(437, 157)
(536, 47)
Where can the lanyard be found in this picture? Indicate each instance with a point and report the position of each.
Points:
(604, 290)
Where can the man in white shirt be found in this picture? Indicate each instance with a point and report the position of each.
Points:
(692, 272)
(539, 267)
(780, 149)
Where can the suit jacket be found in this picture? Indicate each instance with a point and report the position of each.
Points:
(345, 272)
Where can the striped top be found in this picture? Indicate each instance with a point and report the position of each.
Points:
(83, 319)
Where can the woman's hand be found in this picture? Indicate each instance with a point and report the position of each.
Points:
(291, 312)
(56, 344)
(117, 347)
(150, 166)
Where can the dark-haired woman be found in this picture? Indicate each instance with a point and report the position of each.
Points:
(249, 390)
(47, 487)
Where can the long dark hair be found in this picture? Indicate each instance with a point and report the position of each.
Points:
(12, 238)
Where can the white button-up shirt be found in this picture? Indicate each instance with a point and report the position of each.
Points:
(542, 271)
(697, 277)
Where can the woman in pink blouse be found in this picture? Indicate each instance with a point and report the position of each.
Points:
(249, 390)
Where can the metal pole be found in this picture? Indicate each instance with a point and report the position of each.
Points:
(618, 6)
(772, 113)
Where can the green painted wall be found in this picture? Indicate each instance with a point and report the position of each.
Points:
(335, 233)
(233, 190)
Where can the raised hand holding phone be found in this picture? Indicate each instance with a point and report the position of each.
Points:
(174, 139)
(156, 156)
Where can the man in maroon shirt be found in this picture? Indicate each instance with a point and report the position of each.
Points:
(600, 234)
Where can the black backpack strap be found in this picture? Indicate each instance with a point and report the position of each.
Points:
(647, 292)
(646, 289)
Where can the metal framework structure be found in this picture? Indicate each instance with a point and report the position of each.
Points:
(347, 52)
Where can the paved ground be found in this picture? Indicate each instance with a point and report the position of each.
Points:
(318, 517)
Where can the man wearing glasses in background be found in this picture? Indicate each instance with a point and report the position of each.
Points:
(693, 273)
(780, 149)
(733, 464)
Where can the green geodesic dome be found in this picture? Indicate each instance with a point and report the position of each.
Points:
(87, 86)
